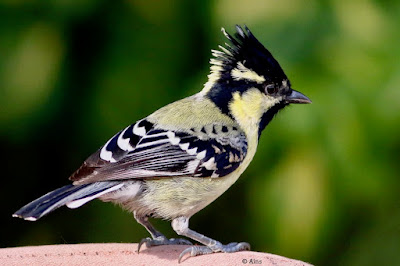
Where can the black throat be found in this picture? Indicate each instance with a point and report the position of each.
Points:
(267, 117)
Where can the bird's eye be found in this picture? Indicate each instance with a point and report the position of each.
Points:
(271, 88)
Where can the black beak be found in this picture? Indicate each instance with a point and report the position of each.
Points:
(297, 97)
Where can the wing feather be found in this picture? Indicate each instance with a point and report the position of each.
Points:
(142, 151)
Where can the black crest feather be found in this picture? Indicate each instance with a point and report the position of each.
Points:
(245, 48)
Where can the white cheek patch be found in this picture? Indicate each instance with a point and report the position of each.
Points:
(242, 72)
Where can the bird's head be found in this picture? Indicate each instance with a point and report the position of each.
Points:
(247, 83)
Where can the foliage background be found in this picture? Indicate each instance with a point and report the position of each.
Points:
(324, 185)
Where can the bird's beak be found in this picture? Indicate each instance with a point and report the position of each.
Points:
(297, 97)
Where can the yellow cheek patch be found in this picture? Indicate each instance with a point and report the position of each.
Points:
(242, 72)
(248, 107)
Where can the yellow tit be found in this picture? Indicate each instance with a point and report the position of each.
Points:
(179, 159)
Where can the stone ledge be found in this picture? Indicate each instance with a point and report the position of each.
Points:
(125, 254)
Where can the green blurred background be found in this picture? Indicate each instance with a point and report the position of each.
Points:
(324, 185)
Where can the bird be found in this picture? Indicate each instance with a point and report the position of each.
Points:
(176, 161)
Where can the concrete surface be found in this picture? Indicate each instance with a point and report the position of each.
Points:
(126, 254)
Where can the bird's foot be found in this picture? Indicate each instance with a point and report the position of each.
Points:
(218, 247)
(162, 240)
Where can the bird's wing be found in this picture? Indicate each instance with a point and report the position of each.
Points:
(143, 151)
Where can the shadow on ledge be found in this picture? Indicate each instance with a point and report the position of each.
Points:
(126, 254)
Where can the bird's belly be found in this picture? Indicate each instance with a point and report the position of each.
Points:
(182, 196)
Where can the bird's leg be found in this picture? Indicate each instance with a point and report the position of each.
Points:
(157, 237)
(181, 227)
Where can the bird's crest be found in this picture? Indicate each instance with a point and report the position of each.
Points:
(245, 58)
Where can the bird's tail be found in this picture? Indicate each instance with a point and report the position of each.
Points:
(70, 195)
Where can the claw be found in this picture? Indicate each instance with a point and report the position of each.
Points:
(202, 250)
(143, 241)
(162, 240)
(195, 251)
